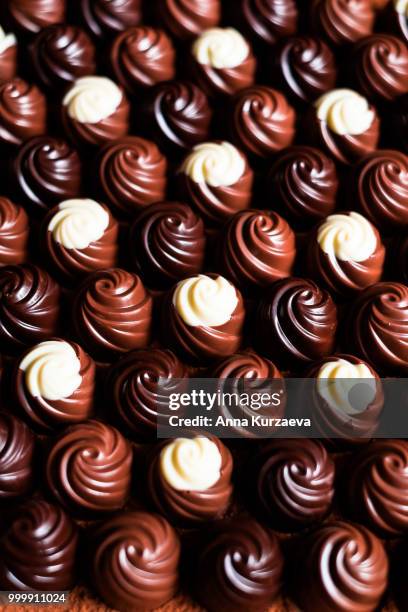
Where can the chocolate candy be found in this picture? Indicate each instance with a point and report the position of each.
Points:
(340, 22)
(304, 67)
(239, 567)
(262, 122)
(106, 17)
(38, 550)
(381, 188)
(292, 482)
(222, 61)
(132, 174)
(176, 115)
(345, 253)
(398, 18)
(89, 468)
(379, 472)
(14, 231)
(167, 243)
(217, 180)
(22, 112)
(29, 306)
(303, 185)
(296, 323)
(54, 384)
(31, 16)
(341, 567)
(16, 457)
(380, 67)
(138, 387)
(344, 124)
(269, 20)
(187, 18)
(257, 248)
(141, 57)
(247, 365)
(46, 171)
(95, 111)
(189, 479)
(79, 236)
(202, 318)
(112, 313)
(8, 55)
(378, 327)
(134, 561)
(61, 54)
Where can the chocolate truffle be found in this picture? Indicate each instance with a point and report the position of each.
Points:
(303, 185)
(261, 121)
(381, 191)
(14, 232)
(142, 57)
(112, 313)
(8, 55)
(305, 68)
(345, 253)
(222, 61)
(31, 16)
(269, 20)
(23, 112)
(134, 560)
(296, 322)
(216, 180)
(132, 174)
(202, 318)
(377, 487)
(380, 67)
(138, 387)
(239, 567)
(29, 306)
(346, 399)
(16, 457)
(54, 384)
(88, 469)
(176, 115)
(378, 327)
(293, 483)
(45, 172)
(79, 236)
(61, 54)
(186, 19)
(38, 550)
(344, 124)
(107, 17)
(167, 243)
(340, 567)
(341, 22)
(94, 111)
(189, 479)
(257, 247)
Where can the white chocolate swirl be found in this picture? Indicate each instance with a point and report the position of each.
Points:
(6, 40)
(336, 380)
(348, 237)
(52, 370)
(345, 111)
(191, 464)
(401, 6)
(205, 301)
(220, 48)
(92, 99)
(78, 222)
(217, 164)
